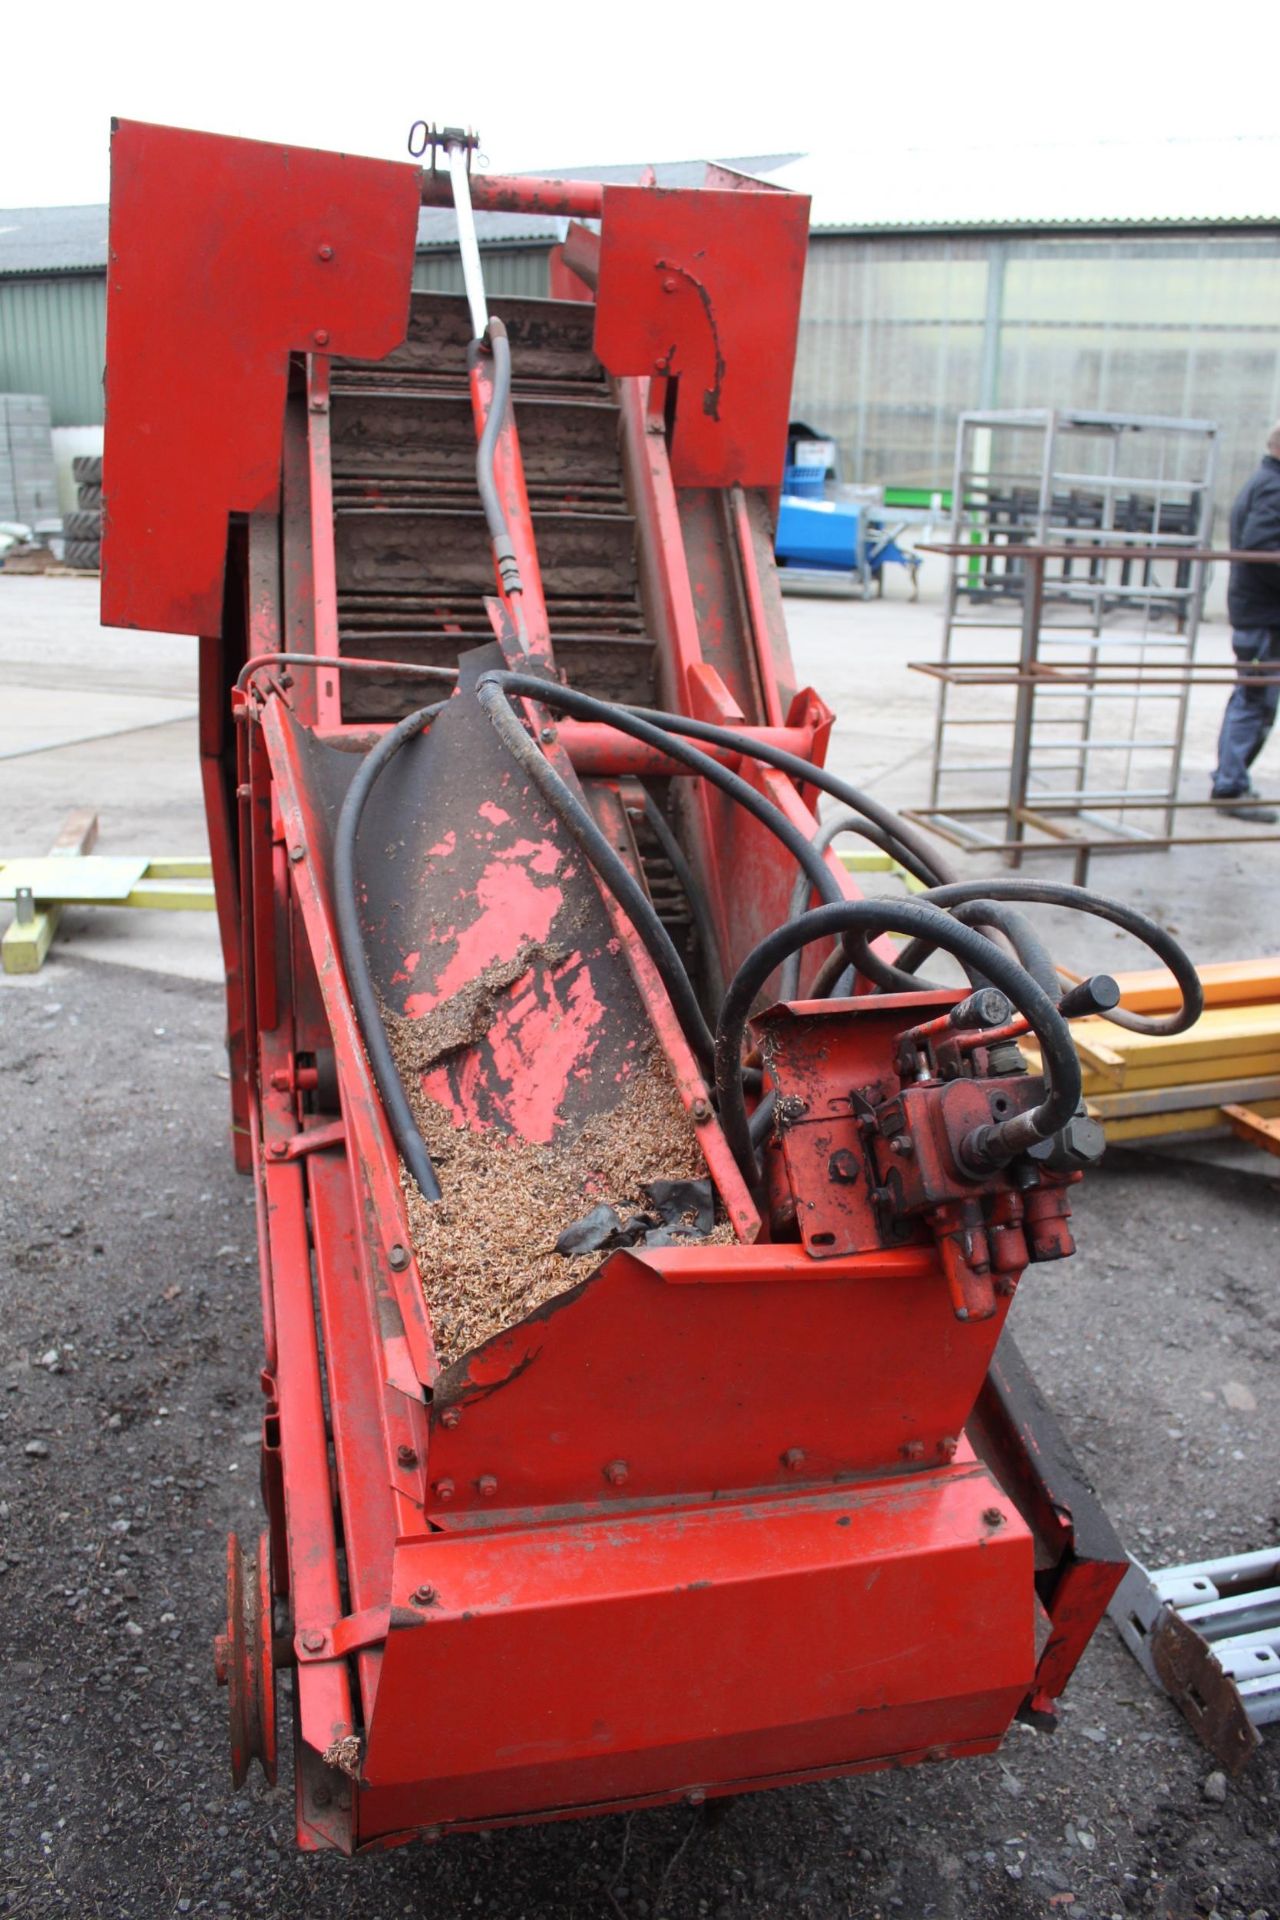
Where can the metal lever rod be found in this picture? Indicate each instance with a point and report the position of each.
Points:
(468, 244)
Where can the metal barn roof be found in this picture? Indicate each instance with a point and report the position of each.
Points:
(53, 240)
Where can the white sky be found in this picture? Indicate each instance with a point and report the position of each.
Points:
(549, 83)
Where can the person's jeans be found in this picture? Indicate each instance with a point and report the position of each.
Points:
(1251, 711)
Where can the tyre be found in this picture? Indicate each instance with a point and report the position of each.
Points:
(87, 466)
(82, 553)
(91, 493)
(84, 525)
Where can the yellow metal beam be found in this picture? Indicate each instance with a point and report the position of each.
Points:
(30, 934)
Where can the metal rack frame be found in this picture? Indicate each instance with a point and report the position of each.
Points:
(1089, 679)
(1109, 584)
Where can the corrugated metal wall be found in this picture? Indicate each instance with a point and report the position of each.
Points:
(52, 341)
(53, 330)
(520, 271)
(899, 333)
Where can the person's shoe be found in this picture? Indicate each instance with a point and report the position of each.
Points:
(1243, 806)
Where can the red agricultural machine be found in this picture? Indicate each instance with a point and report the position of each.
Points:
(637, 1226)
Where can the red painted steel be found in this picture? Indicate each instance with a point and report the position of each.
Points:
(711, 1647)
(225, 257)
(711, 1520)
(675, 302)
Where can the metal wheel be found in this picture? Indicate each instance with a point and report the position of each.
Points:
(243, 1663)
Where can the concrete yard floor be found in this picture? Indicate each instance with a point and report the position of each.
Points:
(128, 1420)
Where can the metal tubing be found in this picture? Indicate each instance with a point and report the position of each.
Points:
(468, 245)
(517, 193)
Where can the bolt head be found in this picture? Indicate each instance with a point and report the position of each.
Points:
(313, 1640)
(842, 1167)
(321, 336)
(701, 1109)
(695, 1796)
(669, 286)
(278, 1149)
(992, 1517)
(547, 735)
(793, 1459)
(296, 854)
(903, 1145)
(398, 1258)
(407, 1456)
(444, 1490)
(424, 1596)
(451, 1416)
(616, 1473)
(324, 251)
(486, 1486)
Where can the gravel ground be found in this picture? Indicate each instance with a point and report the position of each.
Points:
(127, 1434)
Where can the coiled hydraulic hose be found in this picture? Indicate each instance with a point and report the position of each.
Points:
(902, 841)
(983, 912)
(997, 1144)
(364, 998)
(1080, 900)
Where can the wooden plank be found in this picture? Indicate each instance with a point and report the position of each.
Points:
(1204, 1122)
(1127, 1106)
(1250, 1125)
(26, 942)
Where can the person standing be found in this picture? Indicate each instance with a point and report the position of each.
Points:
(1253, 605)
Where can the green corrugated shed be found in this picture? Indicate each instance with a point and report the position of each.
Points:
(52, 341)
(53, 326)
(521, 272)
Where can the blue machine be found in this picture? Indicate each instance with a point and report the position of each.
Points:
(824, 528)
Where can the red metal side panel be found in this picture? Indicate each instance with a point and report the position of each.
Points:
(661, 1652)
(677, 1371)
(225, 257)
(704, 287)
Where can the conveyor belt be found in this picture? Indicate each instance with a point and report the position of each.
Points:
(413, 556)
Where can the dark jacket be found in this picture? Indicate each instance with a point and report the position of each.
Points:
(1253, 592)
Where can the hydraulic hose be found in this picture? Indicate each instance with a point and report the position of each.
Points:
(673, 852)
(504, 552)
(906, 846)
(364, 999)
(626, 720)
(901, 977)
(261, 662)
(829, 830)
(988, 1146)
(1050, 893)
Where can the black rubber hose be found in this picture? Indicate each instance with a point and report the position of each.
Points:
(904, 844)
(613, 870)
(504, 552)
(586, 707)
(662, 831)
(364, 998)
(1001, 1142)
(901, 977)
(1050, 893)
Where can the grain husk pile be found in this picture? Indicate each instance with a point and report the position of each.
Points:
(486, 1249)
